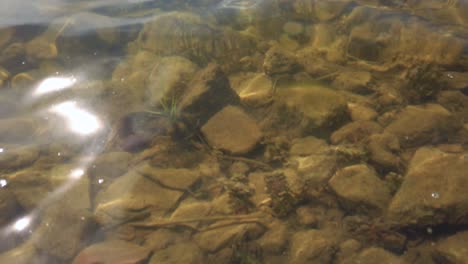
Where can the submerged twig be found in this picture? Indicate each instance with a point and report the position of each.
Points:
(241, 219)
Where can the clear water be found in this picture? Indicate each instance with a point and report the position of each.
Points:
(225, 131)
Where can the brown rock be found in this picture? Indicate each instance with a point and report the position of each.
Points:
(14, 157)
(112, 252)
(361, 112)
(312, 246)
(419, 125)
(383, 150)
(180, 179)
(354, 81)
(355, 132)
(433, 190)
(232, 130)
(275, 240)
(188, 253)
(452, 249)
(207, 93)
(376, 255)
(359, 188)
(278, 61)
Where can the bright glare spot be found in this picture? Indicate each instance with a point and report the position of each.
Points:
(100, 181)
(3, 183)
(22, 223)
(54, 84)
(59, 154)
(435, 195)
(1, 150)
(77, 173)
(79, 120)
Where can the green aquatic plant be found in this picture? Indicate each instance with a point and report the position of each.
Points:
(168, 109)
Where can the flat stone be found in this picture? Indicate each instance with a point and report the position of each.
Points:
(180, 179)
(433, 190)
(232, 130)
(359, 188)
(113, 251)
(131, 194)
(218, 238)
(452, 249)
(383, 151)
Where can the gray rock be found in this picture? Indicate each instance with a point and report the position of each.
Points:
(8, 206)
(66, 223)
(112, 251)
(312, 246)
(188, 253)
(232, 130)
(419, 125)
(17, 130)
(432, 191)
(14, 157)
(355, 132)
(359, 188)
(452, 249)
(130, 195)
(208, 92)
(30, 187)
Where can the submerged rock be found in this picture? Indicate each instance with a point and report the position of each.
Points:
(316, 108)
(312, 246)
(188, 253)
(355, 132)
(419, 125)
(232, 130)
(208, 92)
(188, 35)
(433, 190)
(113, 251)
(452, 249)
(359, 188)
